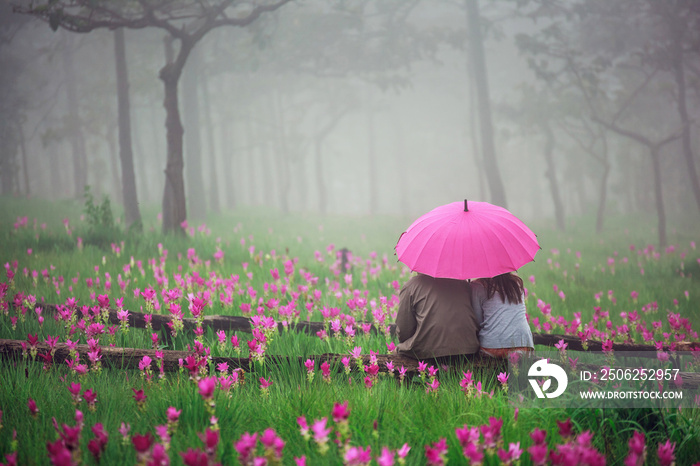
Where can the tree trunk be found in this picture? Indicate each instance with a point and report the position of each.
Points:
(145, 185)
(113, 166)
(602, 198)
(76, 133)
(53, 156)
(658, 193)
(264, 172)
(371, 159)
(478, 62)
(214, 201)
(551, 175)
(193, 141)
(253, 146)
(160, 157)
(475, 138)
(683, 112)
(174, 201)
(320, 179)
(132, 213)
(401, 164)
(23, 150)
(281, 149)
(231, 172)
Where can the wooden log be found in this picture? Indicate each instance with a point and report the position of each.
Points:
(242, 324)
(575, 344)
(129, 358)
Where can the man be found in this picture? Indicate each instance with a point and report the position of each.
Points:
(436, 318)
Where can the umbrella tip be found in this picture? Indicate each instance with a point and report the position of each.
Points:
(466, 206)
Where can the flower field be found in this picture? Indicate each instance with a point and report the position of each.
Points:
(73, 296)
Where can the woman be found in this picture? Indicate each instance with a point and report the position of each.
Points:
(499, 306)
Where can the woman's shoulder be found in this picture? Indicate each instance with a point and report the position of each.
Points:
(476, 285)
(477, 289)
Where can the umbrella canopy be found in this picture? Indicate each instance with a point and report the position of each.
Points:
(461, 241)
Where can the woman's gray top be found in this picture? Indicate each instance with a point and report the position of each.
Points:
(501, 325)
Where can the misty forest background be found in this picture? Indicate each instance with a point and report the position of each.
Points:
(556, 110)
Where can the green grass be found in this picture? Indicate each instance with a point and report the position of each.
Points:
(403, 413)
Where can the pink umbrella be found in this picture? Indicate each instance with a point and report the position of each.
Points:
(463, 241)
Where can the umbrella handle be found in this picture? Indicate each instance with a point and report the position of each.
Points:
(466, 207)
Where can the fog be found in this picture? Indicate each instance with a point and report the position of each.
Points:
(357, 107)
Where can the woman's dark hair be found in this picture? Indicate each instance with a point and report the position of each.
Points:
(508, 285)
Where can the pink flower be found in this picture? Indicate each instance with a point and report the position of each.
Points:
(145, 363)
(74, 389)
(373, 370)
(492, 432)
(503, 378)
(403, 451)
(97, 445)
(139, 396)
(513, 453)
(206, 387)
(435, 454)
(340, 412)
(572, 363)
(607, 346)
(320, 430)
(368, 382)
(538, 436)
(474, 453)
(390, 347)
(467, 435)
(124, 430)
(538, 454)
(466, 381)
(90, 397)
(356, 352)
(265, 384)
(303, 426)
(358, 456)
(194, 457)
(142, 443)
(386, 458)
(245, 447)
(326, 370)
(565, 428)
(272, 442)
(210, 438)
(173, 414)
(309, 363)
(222, 367)
(432, 386)
(33, 410)
(665, 453)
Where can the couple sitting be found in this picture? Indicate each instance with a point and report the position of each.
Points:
(443, 317)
